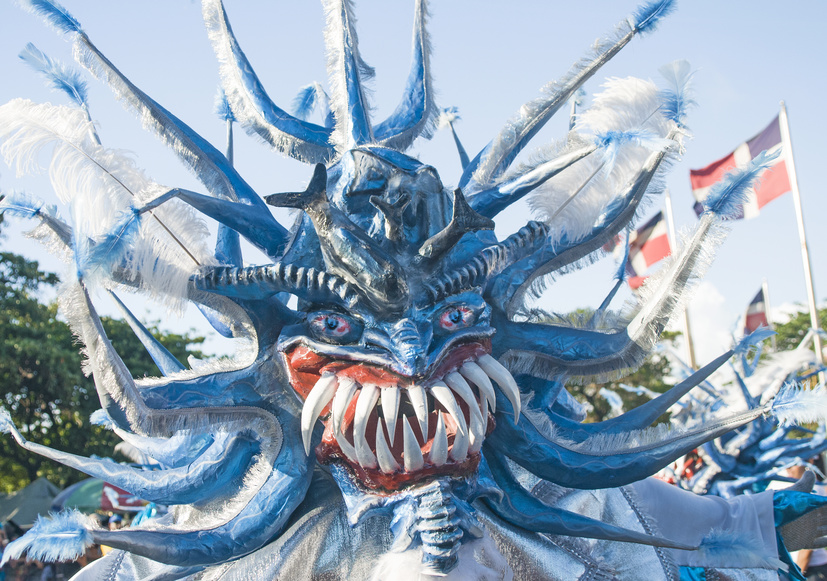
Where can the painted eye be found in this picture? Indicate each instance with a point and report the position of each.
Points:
(331, 326)
(456, 318)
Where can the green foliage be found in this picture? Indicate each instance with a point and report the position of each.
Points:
(650, 375)
(43, 387)
(790, 334)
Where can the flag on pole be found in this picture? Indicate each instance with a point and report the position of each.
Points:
(756, 314)
(774, 182)
(647, 245)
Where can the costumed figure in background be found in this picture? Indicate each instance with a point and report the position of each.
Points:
(748, 459)
(399, 413)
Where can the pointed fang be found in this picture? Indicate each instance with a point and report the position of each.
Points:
(390, 409)
(317, 399)
(439, 449)
(368, 398)
(412, 453)
(445, 396)
(459, 450)
(341, 401)
(473, 372)
(502, 376)
(458, 384)
(419, 402)
(387, 463)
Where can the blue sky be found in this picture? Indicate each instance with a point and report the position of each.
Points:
(489, 58)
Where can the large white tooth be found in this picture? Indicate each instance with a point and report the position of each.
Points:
(476, 433)
(478, 377)
(411, 451)
(347, 448)
(390, 409)
(445, 396)
(439, 448)
(341, 401)
(364, 406)
(457, 383)
(503, 378)
(416, 394)
(459, 450)
(387, 463)
(319, 396)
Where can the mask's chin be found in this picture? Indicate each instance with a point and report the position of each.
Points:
(391, 431)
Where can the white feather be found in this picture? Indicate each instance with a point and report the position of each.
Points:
(795, 405)
(99, 184)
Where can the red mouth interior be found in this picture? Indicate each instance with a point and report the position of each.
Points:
(306, 368)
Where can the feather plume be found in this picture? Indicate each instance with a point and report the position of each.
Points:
(796, 405)
(309, 98)
(100, 184)
(647, 16)
(612, 142)
(722, 548)
(108, 250)
(60, 77)
(749, 342)
(63, 537)
(447, 116)
(727, 196)
(222, 106)
(24, 205)
(53, 14)
(677, 97)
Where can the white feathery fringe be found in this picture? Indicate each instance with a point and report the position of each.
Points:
(446, 117)
(796, 405)
(243, 104)
(632, 441)
(664, 293)
(516, 127)
(340, 21)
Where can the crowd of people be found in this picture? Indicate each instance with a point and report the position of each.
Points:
(34, 570)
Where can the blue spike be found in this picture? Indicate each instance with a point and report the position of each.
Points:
(6, 424)
(727, 197)
(622, 272)
(54, 14)
(60, 77)
(647, 16)
(166, 361)
(222, 106)
(525, 510)
(101, 418)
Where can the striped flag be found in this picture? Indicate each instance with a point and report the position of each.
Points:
(647, 245)
(774, 182)
(756, 314)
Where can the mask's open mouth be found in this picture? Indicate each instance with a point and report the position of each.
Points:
(393, 431)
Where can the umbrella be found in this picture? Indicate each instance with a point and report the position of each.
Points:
(93, 495)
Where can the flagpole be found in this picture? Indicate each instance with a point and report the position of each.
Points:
(687, 331)
(765, 289)
(799, 214)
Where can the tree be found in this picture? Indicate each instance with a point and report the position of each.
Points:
(790, 334)
(43, 388)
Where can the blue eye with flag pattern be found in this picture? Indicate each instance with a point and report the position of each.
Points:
(334, 327)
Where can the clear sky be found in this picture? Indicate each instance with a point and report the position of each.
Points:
(489, 58)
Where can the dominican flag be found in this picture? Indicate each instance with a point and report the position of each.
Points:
(774, 182)
(647, 245)
(756, 314)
